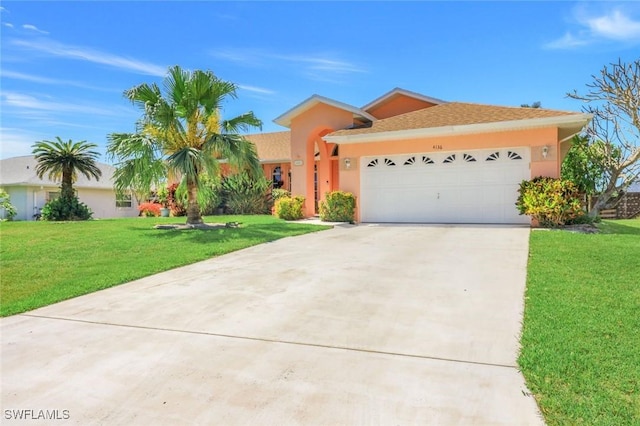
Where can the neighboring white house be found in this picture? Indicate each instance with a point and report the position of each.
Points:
(29, 193)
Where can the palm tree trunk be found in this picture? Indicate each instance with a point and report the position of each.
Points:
(66, 191)
(193, 209)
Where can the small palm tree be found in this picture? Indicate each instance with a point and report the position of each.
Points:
(64, 160)
(182, 137)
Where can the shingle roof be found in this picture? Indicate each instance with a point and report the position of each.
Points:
(452, 114)
(21, 171)
(275, 146)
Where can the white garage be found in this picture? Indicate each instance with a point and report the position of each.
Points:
(471, 186)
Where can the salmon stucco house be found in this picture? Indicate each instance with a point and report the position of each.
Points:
(412, 158)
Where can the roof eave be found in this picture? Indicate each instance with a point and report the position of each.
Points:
(560, 121)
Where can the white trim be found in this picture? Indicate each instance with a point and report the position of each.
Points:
(285, 119)
(399, 91)
(560, 121)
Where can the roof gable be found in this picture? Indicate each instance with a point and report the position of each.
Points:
(285, 119)
(397, 92)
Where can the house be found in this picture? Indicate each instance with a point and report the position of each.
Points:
(29, 193)
(412, 158)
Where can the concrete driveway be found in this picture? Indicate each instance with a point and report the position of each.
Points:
(369, 324)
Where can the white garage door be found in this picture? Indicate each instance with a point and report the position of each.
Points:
(473, 186)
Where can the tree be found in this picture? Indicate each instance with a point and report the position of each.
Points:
(181, 136)
(583, 165)
(64, 160)
(536, 104)
(614, 100)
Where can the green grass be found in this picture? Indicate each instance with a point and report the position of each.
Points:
(46, 262)
(581, 335)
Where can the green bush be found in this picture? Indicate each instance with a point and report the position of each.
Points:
(552, 202)
(5, 203)
(278, 193)
(289, 208)
(338, 206)
(244, 194)
(66, 208)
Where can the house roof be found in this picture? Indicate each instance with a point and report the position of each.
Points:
(21, 171)
(459, 118)
(397, 92)
(285, 119)
(272, 147)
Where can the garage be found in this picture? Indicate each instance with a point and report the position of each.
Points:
(471, 186)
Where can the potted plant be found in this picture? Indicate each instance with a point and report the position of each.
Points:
(163, 198)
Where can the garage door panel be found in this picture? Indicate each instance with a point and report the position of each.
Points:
(449, 187)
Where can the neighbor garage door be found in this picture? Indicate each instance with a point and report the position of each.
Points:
(473, 186)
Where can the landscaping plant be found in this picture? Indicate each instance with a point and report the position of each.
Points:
(552, 202)
(244, 194)
(5, 204)
(290, 208)
(63, 160)
(150, 209)
(338, 206)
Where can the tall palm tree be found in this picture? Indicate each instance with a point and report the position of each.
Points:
(182, 135)
(64, 160)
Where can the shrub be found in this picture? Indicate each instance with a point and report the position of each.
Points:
(338, 206)
(175, 202)
(552, 202)
(244, 194)
(278, 193)
(289, 208)
(150, 209)
(5, 204)
(66, 208)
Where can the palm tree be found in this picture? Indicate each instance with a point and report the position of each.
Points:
(182, 136)
(64, 160)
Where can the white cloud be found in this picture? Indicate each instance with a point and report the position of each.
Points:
(34, 28)
(311, 65)
(255, 89)
(3, 9)
(22, 104)
(17, 142)
(8, 24)
(47, 80)
(568, 41)
(91, 55)
(613, 25)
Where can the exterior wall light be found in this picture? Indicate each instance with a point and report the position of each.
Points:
(347, 163)
(545, 151)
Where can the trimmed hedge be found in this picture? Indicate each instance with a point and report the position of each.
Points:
(552, 202)
(290, 208)
(338, 206)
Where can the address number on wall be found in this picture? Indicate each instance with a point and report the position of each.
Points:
(437, 147)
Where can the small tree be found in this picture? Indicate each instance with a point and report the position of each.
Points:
(583, 165)
(614, 100)
(9, 211)
(63, 160)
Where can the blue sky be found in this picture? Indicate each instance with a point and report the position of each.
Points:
(64, 65)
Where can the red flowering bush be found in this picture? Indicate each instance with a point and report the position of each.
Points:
(149, 209)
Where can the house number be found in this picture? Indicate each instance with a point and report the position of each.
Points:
(437, 147)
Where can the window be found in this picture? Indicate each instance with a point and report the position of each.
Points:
(123, 200)
(52, 196)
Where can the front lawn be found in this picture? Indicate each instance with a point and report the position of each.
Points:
(46, 262)
(581, 335)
